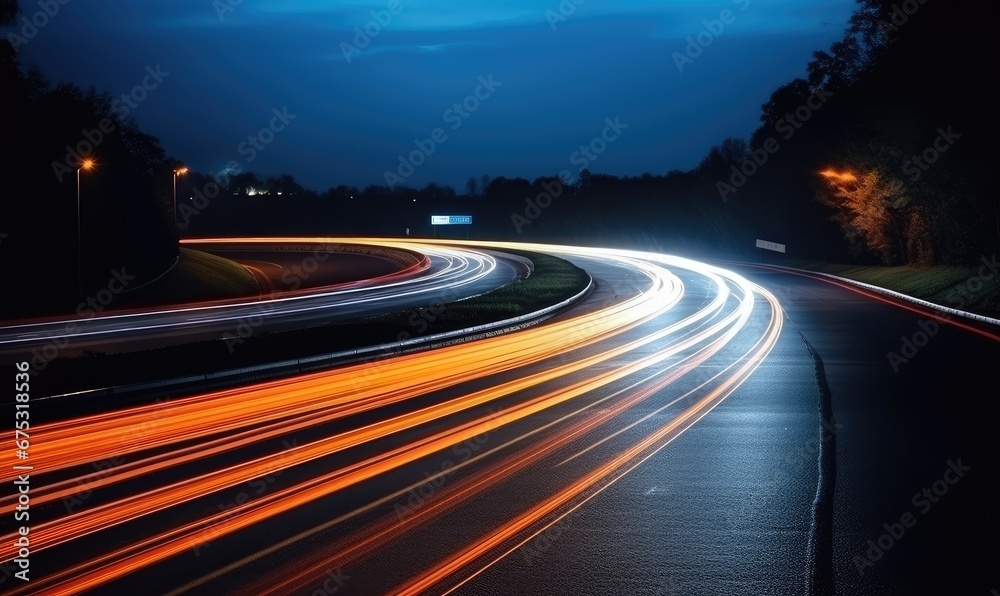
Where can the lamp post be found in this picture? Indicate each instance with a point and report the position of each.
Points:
(86, 165)
(178, 172)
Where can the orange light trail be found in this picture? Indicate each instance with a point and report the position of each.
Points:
(595, 482)
(77, 525)
(316, 399)
(223, 421)
(65, 444)
(344, 551)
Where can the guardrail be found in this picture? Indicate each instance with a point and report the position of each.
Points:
(401, 255)
(887, 292)
(250, 374)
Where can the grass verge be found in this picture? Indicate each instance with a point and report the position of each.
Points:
(197, 276)
(973, 289)
(552, 281)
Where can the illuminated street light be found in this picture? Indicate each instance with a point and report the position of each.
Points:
(88, 164)
(178, 172)
(844, 176)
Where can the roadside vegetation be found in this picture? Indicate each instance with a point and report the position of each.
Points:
(968, 288)
(196, 276)
(552, 281)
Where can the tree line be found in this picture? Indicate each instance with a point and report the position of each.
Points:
(879, 154)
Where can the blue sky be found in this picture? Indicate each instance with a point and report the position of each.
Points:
(563, 69)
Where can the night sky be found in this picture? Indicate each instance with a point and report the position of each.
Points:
(227, 65)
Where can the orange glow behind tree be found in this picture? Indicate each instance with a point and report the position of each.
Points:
(876, 215)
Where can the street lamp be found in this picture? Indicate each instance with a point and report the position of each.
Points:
(178, 172)
(87, 164)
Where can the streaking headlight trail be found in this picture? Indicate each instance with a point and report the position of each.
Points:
(570, 406)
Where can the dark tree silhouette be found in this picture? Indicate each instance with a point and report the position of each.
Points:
(124, 203)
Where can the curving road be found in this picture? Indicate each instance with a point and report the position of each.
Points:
(582, 394)
(666, 436)
(448, 274)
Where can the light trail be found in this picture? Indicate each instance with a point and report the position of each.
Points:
(189, 430)
(64, 444)
(346, 550)
(457, 268)
(595, 482)
(121, 511)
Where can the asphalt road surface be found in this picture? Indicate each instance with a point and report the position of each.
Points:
(672, 434)
(451, 274)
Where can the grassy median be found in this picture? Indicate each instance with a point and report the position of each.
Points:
(552, 281)
(197, 276)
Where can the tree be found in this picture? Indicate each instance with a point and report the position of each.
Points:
(8, 12)
(877, 216)
(732, 152)
(285, 185)
(839, 68)
(783, 101)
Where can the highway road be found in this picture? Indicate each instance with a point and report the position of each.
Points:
(917, 458)
(308, 291)
(685, 429)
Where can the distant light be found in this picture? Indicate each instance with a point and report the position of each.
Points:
(839, 176)
(87, 164)
(279, 192)
(180, 171)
